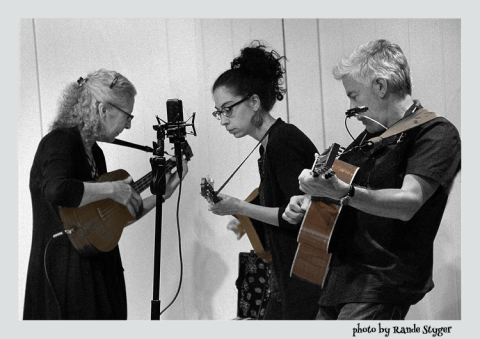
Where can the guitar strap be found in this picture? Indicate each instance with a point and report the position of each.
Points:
(264, 136)
(412, 120)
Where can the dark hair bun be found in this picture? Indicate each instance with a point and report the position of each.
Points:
(262, 65)
(255, 71)
(258, 62)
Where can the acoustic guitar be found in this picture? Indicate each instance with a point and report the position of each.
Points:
(98, 226)
(312, 257)
(207, 191)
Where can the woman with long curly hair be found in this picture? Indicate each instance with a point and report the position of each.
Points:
(62, 283)
(244, 96)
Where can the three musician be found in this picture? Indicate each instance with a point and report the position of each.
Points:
(382, 248)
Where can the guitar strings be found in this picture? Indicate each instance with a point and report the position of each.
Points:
(109, 210)
(141, 184)
(138, 186)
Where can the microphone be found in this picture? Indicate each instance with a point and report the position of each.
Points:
(355, 111)
(176, 125)
(352, 112)
(176, 130)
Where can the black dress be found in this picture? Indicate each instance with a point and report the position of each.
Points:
(77, 287)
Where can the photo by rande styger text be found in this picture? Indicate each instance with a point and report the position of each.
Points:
(434, 331)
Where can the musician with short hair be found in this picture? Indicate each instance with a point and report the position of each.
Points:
(382, 244)
(61, 282)
(244, 96)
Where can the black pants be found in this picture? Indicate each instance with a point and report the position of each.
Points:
(363, 311)
(305, 309)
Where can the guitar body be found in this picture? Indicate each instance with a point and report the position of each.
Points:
(312, 257)
(251, 233)
(98, 226)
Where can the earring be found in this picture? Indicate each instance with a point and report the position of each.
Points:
(257, 120)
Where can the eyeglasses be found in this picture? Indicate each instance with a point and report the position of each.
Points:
(130, 117)
(227, 111)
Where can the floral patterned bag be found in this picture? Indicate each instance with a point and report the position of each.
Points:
(253, 287)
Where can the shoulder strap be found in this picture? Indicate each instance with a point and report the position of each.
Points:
(258, 144)
(410, 121)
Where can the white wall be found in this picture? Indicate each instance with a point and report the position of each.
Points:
(181, 58)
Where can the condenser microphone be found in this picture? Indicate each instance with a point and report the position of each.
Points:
(176, 126)
(176, 130)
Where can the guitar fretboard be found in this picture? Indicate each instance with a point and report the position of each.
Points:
(141, 184)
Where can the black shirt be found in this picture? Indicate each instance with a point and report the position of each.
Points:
(384, 260)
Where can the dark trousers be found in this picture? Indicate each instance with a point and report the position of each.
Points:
(363, 311)
(305, 309)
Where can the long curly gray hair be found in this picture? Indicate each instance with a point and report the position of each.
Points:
(78, 104)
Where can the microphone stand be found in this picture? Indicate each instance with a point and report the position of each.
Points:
(157, 187)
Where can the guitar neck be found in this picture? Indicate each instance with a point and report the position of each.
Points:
(323, 163)
(141, 184)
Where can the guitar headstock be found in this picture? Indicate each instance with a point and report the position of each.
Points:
(207, 191)
(324, 162)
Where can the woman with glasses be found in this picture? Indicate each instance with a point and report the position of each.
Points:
(244, 96)
(62, 283)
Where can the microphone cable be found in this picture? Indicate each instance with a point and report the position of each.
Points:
(351, 136)
(356, 111)
(179, 248)
(46, 273)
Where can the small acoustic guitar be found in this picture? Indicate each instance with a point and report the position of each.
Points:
(312, 257)
(98, 226)
(210, 195)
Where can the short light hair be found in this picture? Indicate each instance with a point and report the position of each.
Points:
(77, 106)
(377, 59)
